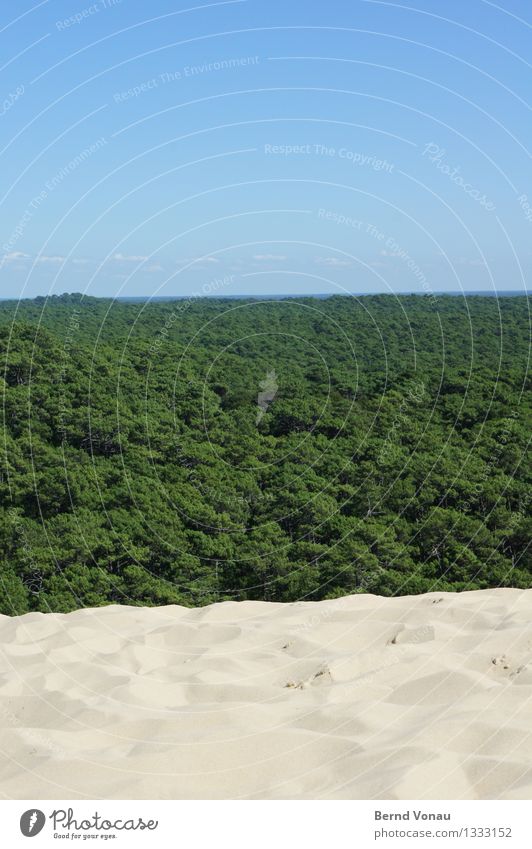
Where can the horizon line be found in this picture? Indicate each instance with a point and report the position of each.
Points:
(278, 296)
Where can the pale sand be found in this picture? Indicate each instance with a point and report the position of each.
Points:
(420, 697)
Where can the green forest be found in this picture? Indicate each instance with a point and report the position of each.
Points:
(203, 449)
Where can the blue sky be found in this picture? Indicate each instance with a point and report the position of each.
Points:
(265, 147)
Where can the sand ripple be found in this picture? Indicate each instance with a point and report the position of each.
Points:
(425, 697)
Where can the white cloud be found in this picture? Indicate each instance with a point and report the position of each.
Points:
(270, 257)
(397, 254)
(50, 259)
(126, 258)
(332, 262)
(197, 262)
(154, 268)
(14, 256)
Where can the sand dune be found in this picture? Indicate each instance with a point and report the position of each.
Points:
(423, 697)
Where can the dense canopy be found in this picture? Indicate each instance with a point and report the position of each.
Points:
(200, 450)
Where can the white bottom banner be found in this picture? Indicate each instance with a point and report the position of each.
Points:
(267, 824)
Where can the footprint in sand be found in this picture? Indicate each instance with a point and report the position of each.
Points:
(322, 676)
(505, 667)
(405, 636)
